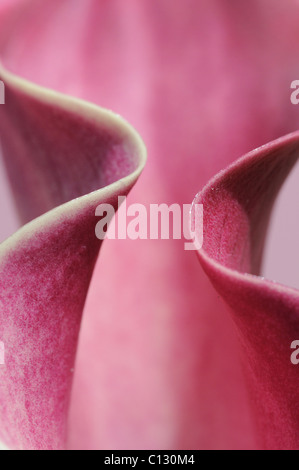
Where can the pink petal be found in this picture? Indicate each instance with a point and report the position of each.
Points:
(57, 150)
(237, 205)
(202, 88)
(208, 90)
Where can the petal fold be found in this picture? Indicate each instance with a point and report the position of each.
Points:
(64, 157)
(237, 205)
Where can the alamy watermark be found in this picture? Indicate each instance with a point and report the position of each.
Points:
(154, 222)
(295, 354)
(2, 93)
(295, 94)
(2, 353)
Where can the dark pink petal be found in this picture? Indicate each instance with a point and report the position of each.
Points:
(237, 204)
(204, 81)
(56, 150)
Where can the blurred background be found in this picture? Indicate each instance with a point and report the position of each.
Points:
(203, 82)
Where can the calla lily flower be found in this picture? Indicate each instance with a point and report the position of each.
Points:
(170, 353)
(265, 312)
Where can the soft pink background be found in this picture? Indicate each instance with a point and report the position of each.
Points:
(203, 82)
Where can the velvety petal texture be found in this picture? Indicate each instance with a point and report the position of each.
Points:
(237, 204)
(204, 81)
(57, 150)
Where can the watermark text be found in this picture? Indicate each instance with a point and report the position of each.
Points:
(2, 361)
(153, 222)
(295, 354)
(2, 93)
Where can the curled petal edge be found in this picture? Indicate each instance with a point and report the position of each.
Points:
(237, 205)
(58, 150)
